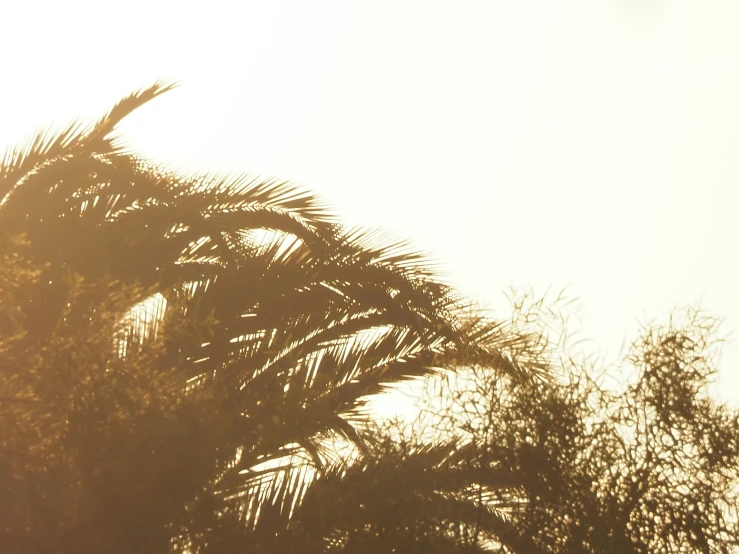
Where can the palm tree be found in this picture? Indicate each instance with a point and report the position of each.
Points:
(439, 498)
(270, 321)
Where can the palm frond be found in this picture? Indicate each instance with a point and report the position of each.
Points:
(107, 124)
(389, 496)
(281, 321)
(74, 139)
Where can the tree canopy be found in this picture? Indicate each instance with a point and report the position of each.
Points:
(186, 360)
(650, 465)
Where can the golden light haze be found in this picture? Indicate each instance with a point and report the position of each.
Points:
(591, 144)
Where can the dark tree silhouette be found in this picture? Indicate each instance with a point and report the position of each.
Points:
(650, 467)
(185, 364)
(181, 351)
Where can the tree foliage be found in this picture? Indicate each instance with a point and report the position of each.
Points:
(181, 351)
(650, 466)
(186, 361)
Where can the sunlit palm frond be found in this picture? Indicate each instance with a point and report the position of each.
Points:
(43, 148)
(382, 500)
(107, 124)
(380, 247)
(224, 193)
(256, 300)
(74, 140)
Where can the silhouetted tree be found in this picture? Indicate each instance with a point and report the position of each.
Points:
(185, 363)
(181, 353)
(652, 467)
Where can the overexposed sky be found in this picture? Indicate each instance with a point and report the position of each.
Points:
(592, 144)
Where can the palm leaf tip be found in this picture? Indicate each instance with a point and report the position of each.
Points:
(47, 145)
(129, 104)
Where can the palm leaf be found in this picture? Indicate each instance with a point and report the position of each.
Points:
(75, 139)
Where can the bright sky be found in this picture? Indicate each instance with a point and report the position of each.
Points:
(591, 144)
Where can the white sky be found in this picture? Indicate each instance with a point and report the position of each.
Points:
(583, 143)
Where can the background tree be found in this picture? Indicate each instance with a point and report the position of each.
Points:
(652, 467)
